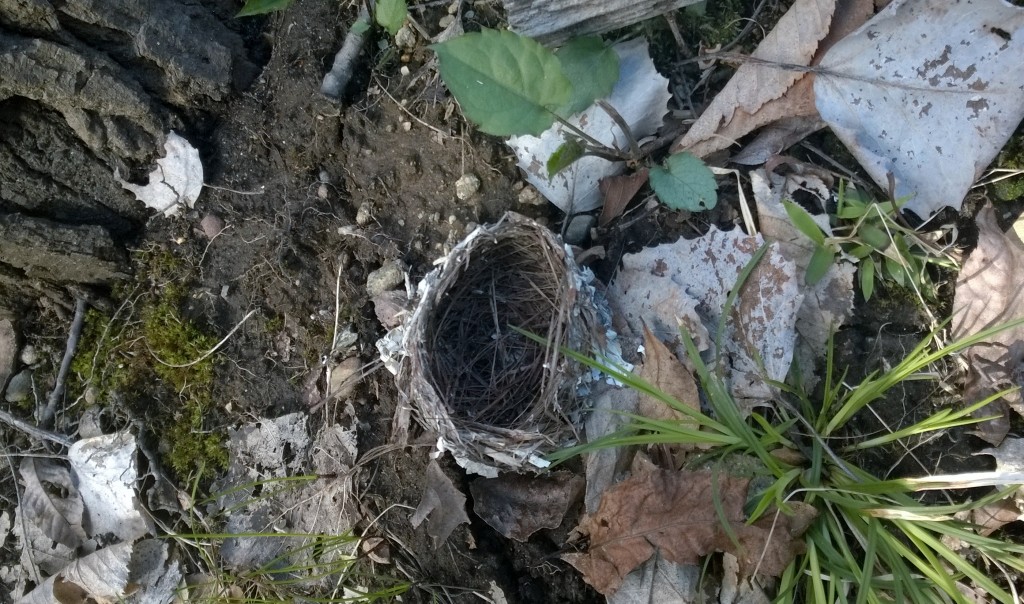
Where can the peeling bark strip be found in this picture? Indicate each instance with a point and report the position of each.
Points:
(554, 21)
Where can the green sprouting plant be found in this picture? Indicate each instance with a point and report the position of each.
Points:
(509, 85)
(873, 540)
(874, 235)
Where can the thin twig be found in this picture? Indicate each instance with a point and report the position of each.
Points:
(46, 415)
(209, 352)
(218, 188)
(33, 431)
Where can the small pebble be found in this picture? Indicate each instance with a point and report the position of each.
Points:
(29, 355)
(579, 229)
(321, 191)
(389, 276)
(20, 387)
(467, 186)
(364, 214)
(529, 196)
(405, 38)
(407, 126)
(446, 21)
(404, 70)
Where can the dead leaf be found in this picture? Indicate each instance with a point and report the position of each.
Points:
(658, 580)
(990, 291)
(828, 303)
(602, 467)
(518, 506)
(674, 514)
(101, 576)
(995, 515)
(52, 502)
(443, 506)
(778, 137)
(754, 95)
(927, 93)
(106, 473)
(688, 282)
(663, 370)
(617, 191)
(177, 179)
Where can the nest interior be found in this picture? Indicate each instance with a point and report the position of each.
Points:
(485, 372)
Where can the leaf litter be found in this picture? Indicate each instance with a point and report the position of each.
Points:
(687, 283)
(683, 516)
(926, 94)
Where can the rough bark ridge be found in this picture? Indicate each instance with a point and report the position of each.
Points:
(88, 87)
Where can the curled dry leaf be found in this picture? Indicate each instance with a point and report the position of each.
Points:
(768, 89)
(676, 514)
(101, 576)
(52, 502)
(990, 291)
(177, 179)
(105, 470)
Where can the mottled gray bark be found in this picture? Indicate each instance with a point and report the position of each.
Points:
(87, 87)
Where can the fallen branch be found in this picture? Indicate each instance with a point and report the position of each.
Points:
(33, 431)
(47, 413)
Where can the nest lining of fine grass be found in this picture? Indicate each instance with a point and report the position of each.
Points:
(495, 398)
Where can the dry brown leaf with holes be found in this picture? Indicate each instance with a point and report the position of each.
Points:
(675, 514)
(443, 506)
(990, 291)
(761, 93)
(665, 372)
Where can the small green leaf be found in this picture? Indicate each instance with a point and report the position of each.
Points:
(592, 69)
(802, 220)
(895, 270)
(564, 156)
(260, 7)
(867, 278)
(390, 14)
(821, 260)
(851, 210)
(686, 183)
(861, 251)
(505, 83)
(874, 236)
(361, 26)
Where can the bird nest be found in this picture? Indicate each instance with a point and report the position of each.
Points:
(496, 398)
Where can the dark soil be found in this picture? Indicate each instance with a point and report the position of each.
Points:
(290, 171)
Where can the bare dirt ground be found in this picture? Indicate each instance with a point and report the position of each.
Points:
(315, 197)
